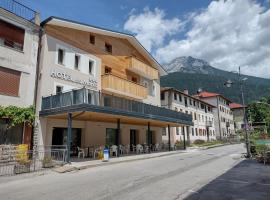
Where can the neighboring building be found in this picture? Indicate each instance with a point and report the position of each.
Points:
(106, 80)
(224, 126)
(201, 112)
(19, 40)
(238, 115)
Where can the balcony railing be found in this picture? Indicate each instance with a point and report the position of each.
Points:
(122, 86)
(142, 69)
(209, 123)
(18, 9)
(85, 96)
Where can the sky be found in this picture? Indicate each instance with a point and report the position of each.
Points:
(225, 33)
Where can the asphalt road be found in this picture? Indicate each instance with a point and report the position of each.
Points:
(179, 176)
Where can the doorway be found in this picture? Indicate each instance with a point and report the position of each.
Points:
(59, 138)
(112, 137)
(150, 137)
(133, 138)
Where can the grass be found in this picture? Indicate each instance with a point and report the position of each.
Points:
(216, 142)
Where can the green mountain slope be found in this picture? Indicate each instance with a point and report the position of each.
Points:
(255, 87)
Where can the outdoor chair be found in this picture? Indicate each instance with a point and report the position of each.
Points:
(139, 149)
(156, 147)
(80, 152)
(114, 149)
(133, 148)
(121, 149)
(127, 148)
(146, 149)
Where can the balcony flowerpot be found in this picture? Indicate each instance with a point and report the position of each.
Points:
(22, 167)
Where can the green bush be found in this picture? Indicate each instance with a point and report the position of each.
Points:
(198, 142)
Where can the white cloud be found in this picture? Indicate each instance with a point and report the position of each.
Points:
(151, 27)
(227, 33)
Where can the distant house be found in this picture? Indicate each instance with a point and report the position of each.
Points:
(238, 115)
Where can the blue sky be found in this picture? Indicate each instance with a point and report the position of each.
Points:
(225, 33)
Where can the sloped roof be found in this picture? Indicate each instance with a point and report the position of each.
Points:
(205, 94)
(90, 28)
(236, 105)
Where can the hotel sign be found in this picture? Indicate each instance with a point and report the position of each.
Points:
(68, 77)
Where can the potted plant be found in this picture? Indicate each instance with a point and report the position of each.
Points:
(47, 162)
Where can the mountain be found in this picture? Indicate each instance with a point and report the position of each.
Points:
(191, 73)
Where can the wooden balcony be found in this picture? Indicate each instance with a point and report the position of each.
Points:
(115, 84)
(142, 69)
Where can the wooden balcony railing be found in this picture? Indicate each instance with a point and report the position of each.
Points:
(122, 86)
(142, 69)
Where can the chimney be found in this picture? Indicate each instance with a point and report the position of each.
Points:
(186, 91)
(37, 18)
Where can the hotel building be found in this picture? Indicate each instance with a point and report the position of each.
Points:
(19, 40)
(224, 125)
(201, 112)
(101, 85)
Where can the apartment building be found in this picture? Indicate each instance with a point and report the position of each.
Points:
(101, 85)
(238, 115)
(224, 125)
(19, 40)
(201, 112)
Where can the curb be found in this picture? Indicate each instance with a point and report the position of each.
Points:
(74, 168)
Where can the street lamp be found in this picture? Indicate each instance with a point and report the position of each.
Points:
(241, 80)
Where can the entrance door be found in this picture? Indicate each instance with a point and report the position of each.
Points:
(133, 137)
(112, 136)
(149, 137)
(59, 138)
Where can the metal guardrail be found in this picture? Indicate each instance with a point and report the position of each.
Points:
(18, 9)
(13, 162)
(86, 96)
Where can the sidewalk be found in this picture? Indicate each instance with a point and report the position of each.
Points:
(95, 163)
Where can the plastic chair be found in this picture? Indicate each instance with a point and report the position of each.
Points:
(114, 149)
(80, 152)
(139, 149)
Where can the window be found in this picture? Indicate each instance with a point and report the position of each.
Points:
(11, 35)
(108, 48)
(194, 103)
(177, 130)
(108, 70)
(60, 56)
(9, 81)
(196, 131)
(186, 102)
(59, 89)
(134, 79)
(76, 62)
(192, 129)
(175, 96)
(164, 131)
(202, 106)
(91, 67)
(180, 97)
(92, 39)
(190, 102)
(153, 90)
(162, 96)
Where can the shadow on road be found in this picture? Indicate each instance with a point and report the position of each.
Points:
(248, 180)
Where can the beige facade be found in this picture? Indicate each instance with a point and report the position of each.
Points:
(224, 125)
(65, 69)
(202, 116)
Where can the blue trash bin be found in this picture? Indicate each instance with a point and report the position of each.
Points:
(106, 155)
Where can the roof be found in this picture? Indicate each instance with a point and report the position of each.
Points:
(236, 105)
(163, 89)
(206, 94)
(90, 28)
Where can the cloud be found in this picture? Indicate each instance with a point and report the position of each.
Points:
(151, 27)
(227, 34)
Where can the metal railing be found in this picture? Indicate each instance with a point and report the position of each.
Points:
(18, 9)
(13, 161)
(91, 97)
